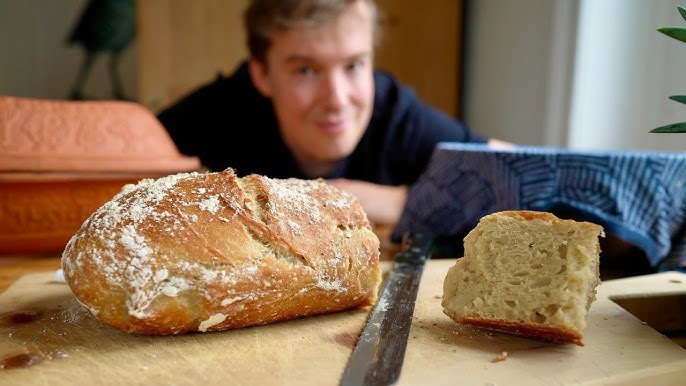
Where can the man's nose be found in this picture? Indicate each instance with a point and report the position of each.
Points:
(334, 90)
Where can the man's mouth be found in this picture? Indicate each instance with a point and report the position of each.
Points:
(333, 126)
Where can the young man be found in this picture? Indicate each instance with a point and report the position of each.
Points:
(309, 104)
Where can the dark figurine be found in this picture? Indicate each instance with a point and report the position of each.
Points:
(105, 26)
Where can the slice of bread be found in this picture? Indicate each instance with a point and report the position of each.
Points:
(526, 273)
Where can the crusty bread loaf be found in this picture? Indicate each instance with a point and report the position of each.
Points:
(205, 252)
(527, 273)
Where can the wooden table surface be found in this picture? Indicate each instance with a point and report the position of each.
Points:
(68, 344)
(14, 267)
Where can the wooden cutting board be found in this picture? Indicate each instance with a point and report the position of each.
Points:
(46, 337)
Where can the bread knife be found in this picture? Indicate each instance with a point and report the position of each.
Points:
(378, 356)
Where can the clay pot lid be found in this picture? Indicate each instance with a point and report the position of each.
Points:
(41, 135)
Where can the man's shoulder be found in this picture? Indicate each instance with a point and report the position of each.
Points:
(234, 90)
(391, 93)
(393, 100)
(385, 81)
(237, 81)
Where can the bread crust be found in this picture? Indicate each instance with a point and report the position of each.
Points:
(528, 330)
(212, 251)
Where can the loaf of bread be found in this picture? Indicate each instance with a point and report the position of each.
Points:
(212, 251)
(527, 273)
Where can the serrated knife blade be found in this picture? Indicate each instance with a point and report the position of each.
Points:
(378, 356)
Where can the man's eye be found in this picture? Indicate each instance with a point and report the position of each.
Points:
(305, 71)
(356, 65)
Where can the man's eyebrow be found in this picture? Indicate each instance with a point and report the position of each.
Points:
(298, 58)
(303, 58)
(360, 55)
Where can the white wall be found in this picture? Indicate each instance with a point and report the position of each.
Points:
(587, 74)
(35, 60)
(625, 71)
(506, 69)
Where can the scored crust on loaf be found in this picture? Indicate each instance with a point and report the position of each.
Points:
(212, 251)
(527, 273)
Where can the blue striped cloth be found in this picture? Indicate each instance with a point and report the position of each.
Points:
(638, 197)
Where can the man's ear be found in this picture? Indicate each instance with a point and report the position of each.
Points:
(258, 74)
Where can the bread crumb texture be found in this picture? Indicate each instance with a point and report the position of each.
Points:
(527, 273)
(212, 251)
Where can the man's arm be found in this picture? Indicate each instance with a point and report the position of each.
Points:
(383, 204)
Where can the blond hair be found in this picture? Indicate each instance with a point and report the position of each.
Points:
(263, 18)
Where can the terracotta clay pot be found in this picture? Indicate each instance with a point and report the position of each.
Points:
(61, 160)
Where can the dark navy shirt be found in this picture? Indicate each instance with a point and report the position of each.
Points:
(228, 123)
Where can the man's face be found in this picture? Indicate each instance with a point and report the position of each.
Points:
(321, 83)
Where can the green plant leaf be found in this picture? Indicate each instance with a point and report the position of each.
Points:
(682, 11)
(673, 128)
(679, 98)
(678, 33)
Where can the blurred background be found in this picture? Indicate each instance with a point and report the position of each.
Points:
(584, 74)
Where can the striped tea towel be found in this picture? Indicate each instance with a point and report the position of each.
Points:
(638, 197)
